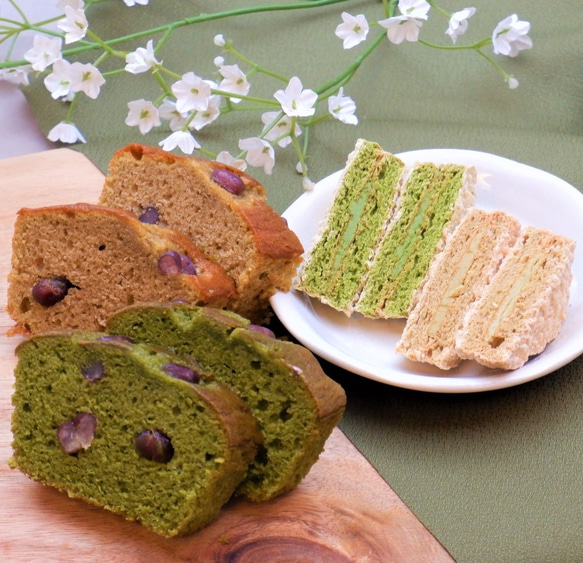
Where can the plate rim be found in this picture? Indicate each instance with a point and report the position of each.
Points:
(439, 383)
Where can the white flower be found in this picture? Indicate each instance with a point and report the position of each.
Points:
(86, 78)
(308, 184)
(204, 117)
(181, 139)
(234, 81)
(74, 25)
(511, 36)
(75, 4)
(295, 101)
(512, 82)
(17, 75)
(66, 133)
(131, 3)
(342, 107)
(192, 92)
(281, 130)
(168, 112)
(458, 23)
(401, 28)
(144, 114)
(259, 153)
(414, 8)
(44, 52)
(142, 59)
(407, 25)
(58, 83)
(219, 61)
(219, 40)
(353, 30)
(224, 157)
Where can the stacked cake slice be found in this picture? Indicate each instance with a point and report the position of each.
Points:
(402, 242)
(457, 277)
(356, 222)
(496, 294)
(383, 228)
(523, 307)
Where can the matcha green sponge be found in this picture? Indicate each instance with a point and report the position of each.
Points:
(294, 402)
(129, 428)
(337, 264)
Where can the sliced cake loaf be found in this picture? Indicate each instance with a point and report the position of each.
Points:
(522, 309)
(74, 265)
(223, 210)
(336, 267)
(456, 278)
(127, 428)
(434, 201)
(295, 403)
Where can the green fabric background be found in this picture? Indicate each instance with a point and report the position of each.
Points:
(495, 476)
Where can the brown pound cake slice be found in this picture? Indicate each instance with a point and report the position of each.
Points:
(128, 428)
(456, 278)
(525, 304)
(223, 210)
(294, 402)
(74, 265)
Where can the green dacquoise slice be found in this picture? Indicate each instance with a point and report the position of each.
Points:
(433, 202)
(338, 261)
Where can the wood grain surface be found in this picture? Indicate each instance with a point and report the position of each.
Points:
(343, 510)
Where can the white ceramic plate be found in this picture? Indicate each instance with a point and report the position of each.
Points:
(366, 347)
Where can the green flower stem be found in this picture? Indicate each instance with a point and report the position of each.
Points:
(348, 73)
(186, 22)
(273, 124)
(494, 64)
(438, 9)
(316, 120)
(19, 10)
(264, 101)
(164, 38)
(71, 110)
(162, 83)
(390, 7)
(105, 45)
(475, 46)
(254, 66)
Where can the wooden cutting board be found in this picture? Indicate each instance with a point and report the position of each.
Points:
(342, 511)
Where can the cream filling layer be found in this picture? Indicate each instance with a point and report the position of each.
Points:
(455, 285)
(510, 298)
(355, 209)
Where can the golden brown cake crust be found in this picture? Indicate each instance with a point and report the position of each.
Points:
(108, 258)
(240, 231)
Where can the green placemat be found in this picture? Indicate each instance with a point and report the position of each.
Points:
(495, 476)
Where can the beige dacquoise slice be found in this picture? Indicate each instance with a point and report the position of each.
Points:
(525, 304)
(456, 278)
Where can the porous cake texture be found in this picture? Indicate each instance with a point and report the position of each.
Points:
(457, 277)
(114, 424)
(223, 210)
(295, 403)
(74, 265)
(384, 226)
(338, 262)
(434, 201)
(523, 307)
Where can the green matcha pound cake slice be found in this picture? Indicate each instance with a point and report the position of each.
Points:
(338, 261)
(434, 201)
(127, 428)
(296, 404)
